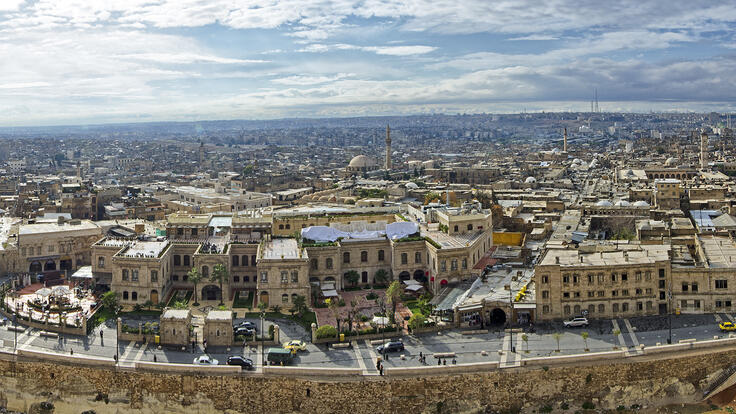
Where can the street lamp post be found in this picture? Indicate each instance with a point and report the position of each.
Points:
(511, 317)
(15, 332)
(669, 314)
(118, 322)
(263, 357)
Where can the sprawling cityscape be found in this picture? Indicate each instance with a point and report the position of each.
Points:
(367, 207)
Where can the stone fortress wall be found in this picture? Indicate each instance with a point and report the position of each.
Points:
(74, 385)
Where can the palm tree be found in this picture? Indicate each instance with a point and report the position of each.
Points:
(393, 296)
(585, 338)
(219, 274)
(557, 337)
(195, 277)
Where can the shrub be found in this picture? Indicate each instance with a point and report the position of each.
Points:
(638, 407)
(545, 368)
(588, 405)
(371, 296)
(564, 406)
(546, 409)
(588, 378)
(271, 330)
(326, 331)
(620, 408)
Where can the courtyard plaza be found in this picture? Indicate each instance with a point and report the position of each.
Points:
(43, 304)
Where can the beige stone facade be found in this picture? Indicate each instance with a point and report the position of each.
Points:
(63, 246)
(218, 328)
(175, 326)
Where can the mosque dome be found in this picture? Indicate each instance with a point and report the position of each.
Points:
(362, 161)
(604, 203)
(641, 203)
(622, 203)
(530, 180)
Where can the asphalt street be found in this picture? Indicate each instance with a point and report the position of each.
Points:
(546, 340)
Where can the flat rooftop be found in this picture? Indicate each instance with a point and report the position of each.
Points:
(448, 241)
(720, 252)
(45, 228)
(281, 249)
(149, 249)
(608, 256)
(494, 288)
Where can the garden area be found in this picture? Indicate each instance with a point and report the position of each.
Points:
(243, 299)
(179, 299)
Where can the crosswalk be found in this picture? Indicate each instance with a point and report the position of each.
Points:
(511, 359)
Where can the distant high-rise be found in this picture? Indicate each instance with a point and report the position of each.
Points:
(703, 150)
(387, 165)
(201, 153)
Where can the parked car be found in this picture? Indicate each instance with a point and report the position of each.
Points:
(575, 322)
(205, 360)
(296, 345)
(727, 326)
(244, 331)
(246, 324)
(3, 320)
(244, 363)
(391, 346)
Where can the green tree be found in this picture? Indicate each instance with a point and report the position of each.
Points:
(334, 307)
(219, 274)
(148, 304)
(380, 277)
(393, 296)
(557, 337)
(326, 331)
(110, 301)
(299, 306)
(585, 338)
(352, 277)
(417, 321)
(195, 277)
(262, 306)
(179, 305)
(431, 196)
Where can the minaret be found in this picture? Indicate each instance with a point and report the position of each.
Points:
(387, 165)
(703, 150)
(564, 141)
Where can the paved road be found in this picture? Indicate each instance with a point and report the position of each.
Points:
(466, 348)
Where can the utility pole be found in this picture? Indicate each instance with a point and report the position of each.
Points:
(511, 317)
(669, 314)
(263, 355)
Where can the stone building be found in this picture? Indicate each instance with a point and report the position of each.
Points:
(283, 268)
(218, 328)
(175, 326)
(63, 246)
(361, 164)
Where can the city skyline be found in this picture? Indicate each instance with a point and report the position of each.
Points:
(67, 62)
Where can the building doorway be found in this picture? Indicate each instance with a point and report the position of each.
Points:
(66, 264)
(498, 317)
(50, 265)
(662, 308)
(419, 276)
(404, 276)
(211, 292)
(264, 298)
(154, 296)
(35, 267)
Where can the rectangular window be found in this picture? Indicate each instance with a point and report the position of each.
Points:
(575, 279)
(694, 287)
(614, 293)
(590, 279)
(545, 279)
(648, 275)
(684, 287)
(264, 277)
(600, 279)
(443, 266)
(683, 304)
(194, 232)
(565, 294)
(154, 276)
(601, 293)
(721, 284)
(294, 276)
(662, 295)
(624, 307)
(284, 276)
(697, 304)
(727, 303)
(625, 292)
(719, 304)
(624, 277)
(101, 262)
(591, 294)
(545, 309)
(545, 294)
(661, 284)
(134, 275)
(613, 277)
(566, 279)
(639, 306)
(649, 291)
(576, 294)
(661, 272)
(637, 276)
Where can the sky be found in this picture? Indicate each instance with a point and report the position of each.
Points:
(99, 61)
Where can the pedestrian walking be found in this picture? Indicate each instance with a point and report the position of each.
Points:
(454, 361)
(154, 358)
(420, 355)
(444, 362)
(439, 361)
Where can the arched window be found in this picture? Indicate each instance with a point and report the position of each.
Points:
(577, 309)
(125, 295)
(134, 295)
(601, 308)
(328, 263)
(381, 255)
(186, 260)
(244, 260)
(346, 257)
(364, 256)
(236, 260)
(177, 260)
(293, 297)
(404, 258)
(284, 298)
(567, 309)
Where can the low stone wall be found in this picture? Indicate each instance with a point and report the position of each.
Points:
(51, 327)
(675, 373)
(387, 336)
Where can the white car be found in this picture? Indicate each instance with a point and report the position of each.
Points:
(575, 322)
(205, 360)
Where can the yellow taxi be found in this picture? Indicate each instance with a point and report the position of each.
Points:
(295, 346)
(727, 326)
